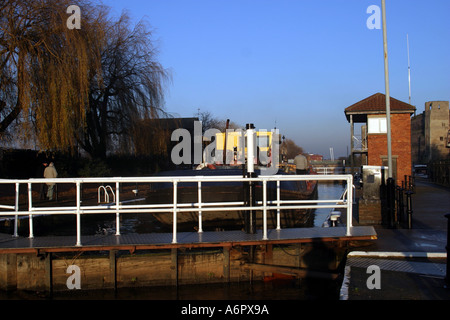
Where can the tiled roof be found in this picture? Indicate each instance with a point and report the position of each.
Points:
(376, 104)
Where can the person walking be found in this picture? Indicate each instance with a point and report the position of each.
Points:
(50, 173)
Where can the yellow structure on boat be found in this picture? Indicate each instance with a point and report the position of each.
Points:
(234, 142)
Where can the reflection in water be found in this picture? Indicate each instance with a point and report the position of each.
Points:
(306, 289)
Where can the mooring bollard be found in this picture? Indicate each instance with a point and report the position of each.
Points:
(447, 247)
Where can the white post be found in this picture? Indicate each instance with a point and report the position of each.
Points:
(250, 214)
(386, 80)
(174, 239)
(78, 244)
(349, 204)
(16, 217)
(409, 69)
(200, 227)
(250, 148)
(30, 208)
(265, 210)
(117, 208)
(278, 206)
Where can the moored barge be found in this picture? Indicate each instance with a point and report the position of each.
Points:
(220, 191)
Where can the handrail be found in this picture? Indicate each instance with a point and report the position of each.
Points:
(118, 207)
(106, 193)
(342, 199)
(344, 194)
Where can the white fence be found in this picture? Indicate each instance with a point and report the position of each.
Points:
(329, 170)
(174, 207)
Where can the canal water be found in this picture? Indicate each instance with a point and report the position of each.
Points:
(280, 289)
(327, 191)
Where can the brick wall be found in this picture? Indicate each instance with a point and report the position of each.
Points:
(401, 145)
(369, 212)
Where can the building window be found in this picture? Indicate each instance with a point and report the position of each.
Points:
(377, 125)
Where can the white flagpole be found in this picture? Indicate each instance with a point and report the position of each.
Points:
(409, 69)
(386, 76)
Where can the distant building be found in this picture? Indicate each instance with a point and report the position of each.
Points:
(314, 157)
(430, 133)
(372, 144)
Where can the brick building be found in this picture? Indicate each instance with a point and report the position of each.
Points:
(372, 143)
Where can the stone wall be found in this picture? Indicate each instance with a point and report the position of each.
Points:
(429, 132)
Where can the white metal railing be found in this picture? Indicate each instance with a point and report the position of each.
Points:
(329, 170)
(200, 206)
(361, 143)
(342, 200)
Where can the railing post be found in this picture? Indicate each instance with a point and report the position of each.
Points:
(78, 244)
(174, 238)
(265, 209)
(200, 225)
(401, 207)
(278, 206)
(117, 208)
(30, 208)
(409, 210)
(16, 217)
(349, 205)
(250, 196)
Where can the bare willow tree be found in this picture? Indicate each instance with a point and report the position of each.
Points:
(69, 88)
(209, 122)
(292, 149)
(45, 69)
(130, 91)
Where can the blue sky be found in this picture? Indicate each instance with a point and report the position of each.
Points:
(294, 63)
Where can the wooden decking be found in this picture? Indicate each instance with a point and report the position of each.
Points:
(134, 241)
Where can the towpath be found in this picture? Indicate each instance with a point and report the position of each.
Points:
(412, 261)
